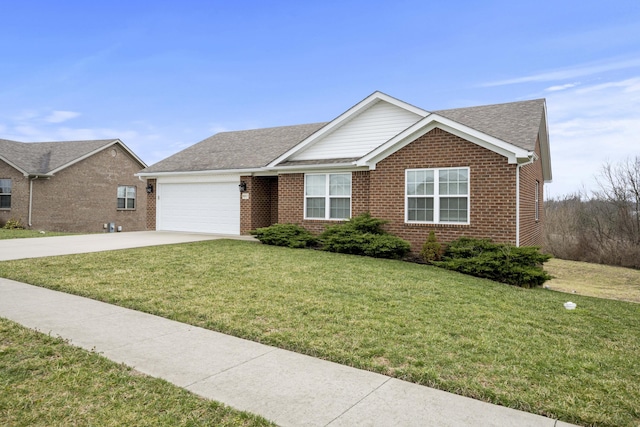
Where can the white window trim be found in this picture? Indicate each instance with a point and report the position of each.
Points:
(8, 194)
(135, 197)
(327, 196)
(436, 197)
(537, 201)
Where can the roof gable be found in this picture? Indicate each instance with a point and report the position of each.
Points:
(357, 131)
(511, 130)
(432, 121)
(47, 158)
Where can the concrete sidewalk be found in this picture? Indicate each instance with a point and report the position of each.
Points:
(83, 243)
(285, 387)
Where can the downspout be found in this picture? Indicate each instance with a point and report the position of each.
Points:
(518, 205)
(31, 197)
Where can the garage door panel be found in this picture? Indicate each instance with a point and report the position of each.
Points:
(199, 207)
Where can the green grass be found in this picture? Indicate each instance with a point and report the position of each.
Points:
(46, 382)
(596, 280)
(502, 344)
(24, 234)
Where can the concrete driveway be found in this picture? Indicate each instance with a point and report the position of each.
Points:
(83, 243)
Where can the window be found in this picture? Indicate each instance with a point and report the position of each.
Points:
(437, 195)
(537, 201)
(5, 194)
(327, 196)
(126, 197)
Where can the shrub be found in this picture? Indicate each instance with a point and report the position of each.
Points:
(289, 235)
(518, 266)
(13, 224)
(363, 235)
(431, 250)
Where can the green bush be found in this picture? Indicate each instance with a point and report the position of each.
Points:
(518, 266)
(363, 235)
(13, 224)
(289, 235)
(431, 250)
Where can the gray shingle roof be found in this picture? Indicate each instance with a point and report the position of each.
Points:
(517, 123)
(236, 150)
(44, 157)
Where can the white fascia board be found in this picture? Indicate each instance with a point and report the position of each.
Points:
(345, 117)
(13, 165)
(203, 172)
(104, 147)
(547, 173)
(333, 167)
(510, 151)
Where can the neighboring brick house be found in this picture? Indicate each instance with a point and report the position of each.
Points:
(73, 186)
(476, 172)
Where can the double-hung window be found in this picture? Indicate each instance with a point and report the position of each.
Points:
(126, 197)
(438, 196)
(537, 201)
(327, 196)
(5, 194)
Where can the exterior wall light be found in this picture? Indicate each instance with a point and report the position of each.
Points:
(243, 187)
(149, 188)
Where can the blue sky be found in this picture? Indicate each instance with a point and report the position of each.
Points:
(164, 75)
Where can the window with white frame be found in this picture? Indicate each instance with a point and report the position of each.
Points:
(5, 194)
(327, 196)
(537, 201)
(437, 195)
(126, 197)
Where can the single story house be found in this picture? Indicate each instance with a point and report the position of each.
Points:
(73, 186)
(476, 172)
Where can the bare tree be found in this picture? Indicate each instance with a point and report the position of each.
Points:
(620, 188)
(603, 227)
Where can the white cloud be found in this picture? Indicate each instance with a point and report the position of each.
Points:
(561, 87)
(571, 72)
(590, 125)
(60, 116)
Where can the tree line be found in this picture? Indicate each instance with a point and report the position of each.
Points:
(602, 226)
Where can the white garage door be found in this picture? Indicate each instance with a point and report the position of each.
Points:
(199, 207)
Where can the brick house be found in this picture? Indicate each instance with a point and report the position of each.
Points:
(73, 186)
(476, 172)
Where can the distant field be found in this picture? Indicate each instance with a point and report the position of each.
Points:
(596, 280)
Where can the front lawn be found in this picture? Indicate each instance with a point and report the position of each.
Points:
(512, 346)
(46, 382)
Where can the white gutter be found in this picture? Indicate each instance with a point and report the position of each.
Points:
(203, 172)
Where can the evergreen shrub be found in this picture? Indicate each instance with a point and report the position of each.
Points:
(363, 235)
(288, 235)
(518, 266)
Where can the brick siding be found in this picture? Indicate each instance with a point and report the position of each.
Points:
(492, 189)
(19, 195)
(151, 205)
(82, 197)
(381, 191)
(531, 231)
(261, 208)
